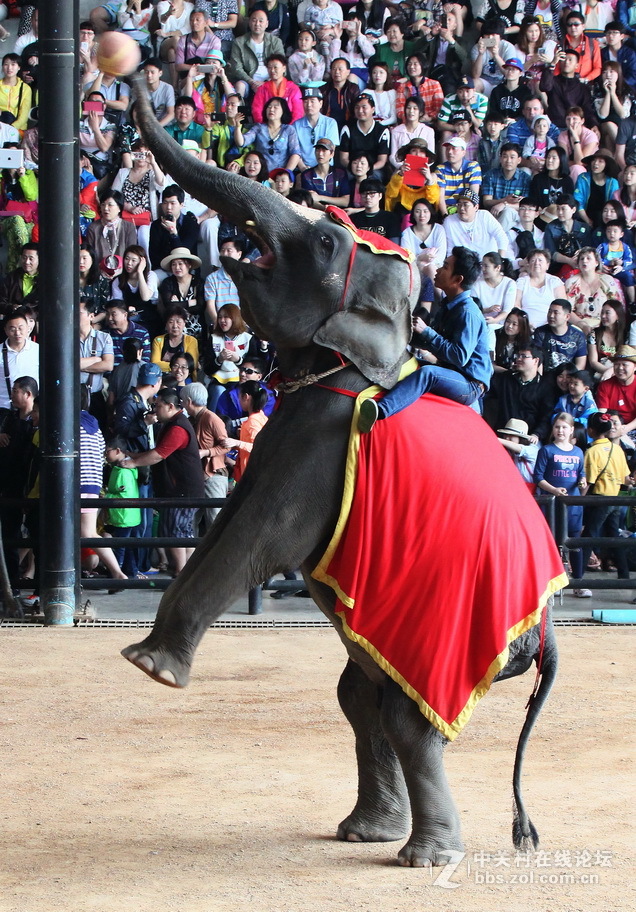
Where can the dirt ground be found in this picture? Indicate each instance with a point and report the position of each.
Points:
(119, 794)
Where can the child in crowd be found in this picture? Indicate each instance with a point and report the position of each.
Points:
(283, 180)
(606, 471)
(538, 143)
(578, 401)
(491, 142)
(252, 399)
(121, 522)
(462, 125)
(515, 438)
(325, 18)
(560, 470)
(617, 257)
(306, 65)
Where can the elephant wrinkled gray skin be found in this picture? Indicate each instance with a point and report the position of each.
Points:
(283, 512)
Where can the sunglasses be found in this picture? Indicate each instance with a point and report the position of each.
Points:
(248, 370)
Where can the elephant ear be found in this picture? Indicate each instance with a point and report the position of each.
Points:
(373, 337)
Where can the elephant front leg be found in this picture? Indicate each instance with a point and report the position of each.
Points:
(436, 834)
(382, 812)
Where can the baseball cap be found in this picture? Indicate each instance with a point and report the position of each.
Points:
(364, 96)
(325, 143)
(456, 142)
(458, 116)
(311, 91)
(515, 62)
(277, 171)
(469, 195)
(467, 82)
(149, 374)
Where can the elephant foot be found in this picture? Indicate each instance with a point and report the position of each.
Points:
(386, 828)
(158, 663)
(428, 854)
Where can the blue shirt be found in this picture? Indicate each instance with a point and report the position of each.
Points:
(519, 131)
(496, 185)
(560, 468)
(458, 336)
(308, 136)
(133, 332)
(580, 411)
(559, 349)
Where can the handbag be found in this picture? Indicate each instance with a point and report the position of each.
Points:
(137, 218)
(25, 209)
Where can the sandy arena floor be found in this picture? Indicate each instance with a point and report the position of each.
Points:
(122, 795)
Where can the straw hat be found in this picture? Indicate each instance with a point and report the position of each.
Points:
(180, 253)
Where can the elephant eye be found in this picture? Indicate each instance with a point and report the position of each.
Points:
(327, 242)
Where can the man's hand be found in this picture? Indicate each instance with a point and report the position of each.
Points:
(419, 325)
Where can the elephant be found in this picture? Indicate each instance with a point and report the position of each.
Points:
(329, 304)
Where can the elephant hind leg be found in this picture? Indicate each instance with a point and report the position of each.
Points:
(436, 835)
(382, 812)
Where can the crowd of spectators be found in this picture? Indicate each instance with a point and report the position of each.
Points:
(503, 128)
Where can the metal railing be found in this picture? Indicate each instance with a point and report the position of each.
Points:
(554, 509)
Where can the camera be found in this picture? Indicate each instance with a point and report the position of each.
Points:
(242, 109)
(138, 156)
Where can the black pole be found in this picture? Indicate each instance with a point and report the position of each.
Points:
(59, 290)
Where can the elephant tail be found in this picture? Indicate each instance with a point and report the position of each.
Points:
(524, 833)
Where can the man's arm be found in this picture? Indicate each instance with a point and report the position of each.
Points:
(97, 364)
(458, 350)
(149, 458)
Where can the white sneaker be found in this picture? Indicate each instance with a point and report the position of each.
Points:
(582, 593)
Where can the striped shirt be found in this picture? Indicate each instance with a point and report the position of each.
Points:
(452, 105)
(451, 183)
(133, 332)
(220, 289)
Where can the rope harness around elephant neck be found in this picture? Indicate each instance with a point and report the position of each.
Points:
(292, 386)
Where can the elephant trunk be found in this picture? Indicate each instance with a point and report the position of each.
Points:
(242, 202)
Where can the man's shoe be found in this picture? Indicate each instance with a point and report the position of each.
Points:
(582, 593)
(368, 416)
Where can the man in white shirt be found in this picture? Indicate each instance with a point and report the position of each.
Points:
(96, 359)
(474, 228)
(19, 356)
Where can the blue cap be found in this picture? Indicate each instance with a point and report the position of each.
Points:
(149, 374)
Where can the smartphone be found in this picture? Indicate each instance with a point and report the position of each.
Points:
(138, 156)
(12, 158)
(217, 117)
(490, 42)
(541, 51)
(97, 106)
(208, 68)
(242, 109)
(168, 218)
(229, 345)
